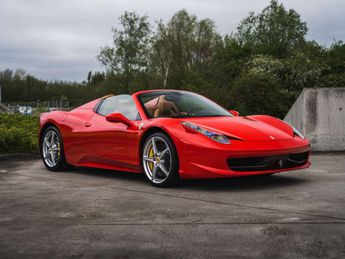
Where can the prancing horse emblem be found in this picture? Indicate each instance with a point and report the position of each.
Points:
(280, 163)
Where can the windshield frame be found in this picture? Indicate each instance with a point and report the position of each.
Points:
(164, 91)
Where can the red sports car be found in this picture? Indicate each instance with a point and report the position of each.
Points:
(169, 135)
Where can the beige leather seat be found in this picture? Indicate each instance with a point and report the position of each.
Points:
(166, 108)
(162, 108)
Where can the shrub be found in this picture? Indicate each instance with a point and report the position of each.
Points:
(18, 134)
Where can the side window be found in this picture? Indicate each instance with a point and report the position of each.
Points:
(123, 104)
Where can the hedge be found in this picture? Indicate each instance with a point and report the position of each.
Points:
(18, 134)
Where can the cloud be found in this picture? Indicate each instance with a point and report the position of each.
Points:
(60, 39)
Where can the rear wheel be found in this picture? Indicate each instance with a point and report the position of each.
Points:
(160, 160)
(52, 150)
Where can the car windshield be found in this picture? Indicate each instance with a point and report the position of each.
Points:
(179, 104)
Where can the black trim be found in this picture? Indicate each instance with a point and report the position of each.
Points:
(96, 108)
(245, 164)
(143, 107)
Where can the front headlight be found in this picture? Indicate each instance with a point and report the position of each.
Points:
(297, 132)
(212, 135)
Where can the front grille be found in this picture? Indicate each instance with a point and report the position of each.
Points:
(244, 164)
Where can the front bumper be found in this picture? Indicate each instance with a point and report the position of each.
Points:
(211, 160)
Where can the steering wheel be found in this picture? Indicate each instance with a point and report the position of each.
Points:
(189, 112)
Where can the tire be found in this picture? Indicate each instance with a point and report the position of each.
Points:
(160, 161)
(52, 150)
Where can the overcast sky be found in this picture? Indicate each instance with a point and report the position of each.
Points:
(59, 39)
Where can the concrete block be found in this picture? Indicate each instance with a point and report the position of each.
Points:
(319, 113)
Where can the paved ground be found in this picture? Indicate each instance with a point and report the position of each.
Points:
(104, 214)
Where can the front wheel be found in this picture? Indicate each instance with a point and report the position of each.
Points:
(160, 160)
(52, 150)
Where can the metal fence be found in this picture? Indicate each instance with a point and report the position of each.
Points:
(37, 107)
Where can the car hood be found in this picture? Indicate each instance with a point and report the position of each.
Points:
(250, 128)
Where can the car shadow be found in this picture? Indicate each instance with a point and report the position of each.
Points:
(257, 182)
(111, 174)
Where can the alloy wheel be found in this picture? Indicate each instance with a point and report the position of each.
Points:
(51, 148)
(157, 160)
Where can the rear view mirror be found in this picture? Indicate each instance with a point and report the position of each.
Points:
(235, 113)
(119, 118)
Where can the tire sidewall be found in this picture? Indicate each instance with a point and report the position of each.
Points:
(173, 177)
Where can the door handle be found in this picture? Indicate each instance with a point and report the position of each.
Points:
(87, 124)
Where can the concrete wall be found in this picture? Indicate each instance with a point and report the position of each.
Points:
(319, 113)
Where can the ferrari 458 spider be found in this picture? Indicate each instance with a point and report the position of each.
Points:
(169, 135)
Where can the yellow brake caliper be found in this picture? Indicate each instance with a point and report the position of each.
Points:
(151, 155)
(58, 153)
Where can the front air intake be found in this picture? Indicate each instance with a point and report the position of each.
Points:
(246, 164)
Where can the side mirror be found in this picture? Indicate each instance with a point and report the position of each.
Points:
(119, 118)
(235, 113)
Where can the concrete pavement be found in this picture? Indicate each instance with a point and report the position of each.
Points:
(87, 213)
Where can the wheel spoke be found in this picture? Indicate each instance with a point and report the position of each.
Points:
(154, 172)
(163, 152)
(53, 157)
(46, 141)
(164, 170)
(52, 141)
(55, 148)
(154, 147)
(149, 159)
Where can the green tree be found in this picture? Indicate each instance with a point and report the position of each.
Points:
(334, 60)
(181, 45)
(258, 93)
(274, 31)
(131, 47)
(89, 75)
(6, 74)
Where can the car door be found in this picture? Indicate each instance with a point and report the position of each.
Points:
(113, 143)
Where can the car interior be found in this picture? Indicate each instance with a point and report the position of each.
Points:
(161, 107)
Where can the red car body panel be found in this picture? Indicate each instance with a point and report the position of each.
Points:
(90, 140)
